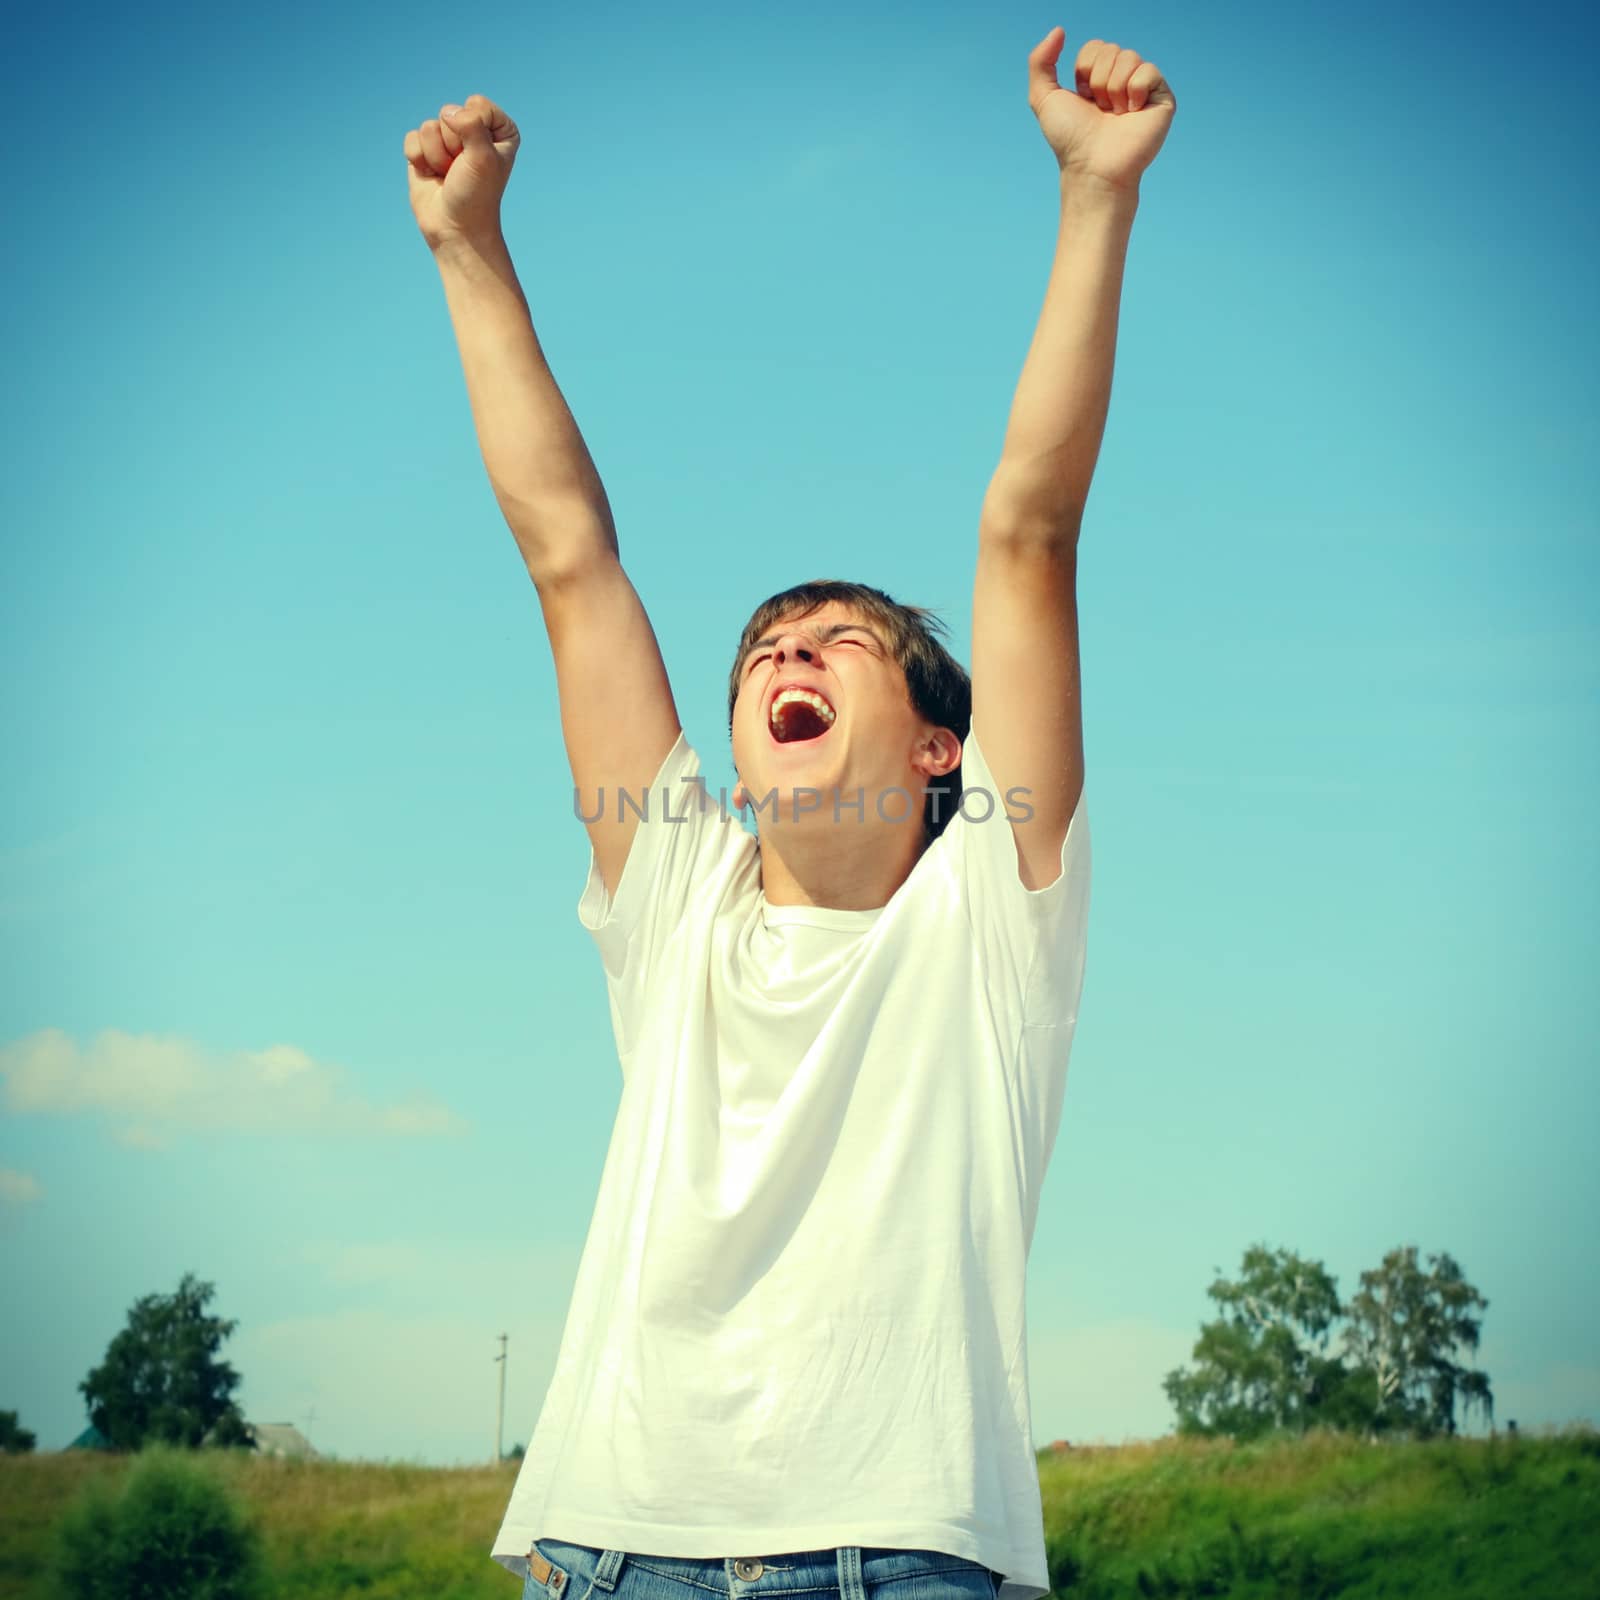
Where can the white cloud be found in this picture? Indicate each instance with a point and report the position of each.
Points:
(1103, 1383)
(388, 1262)
(17, 1189)
(138, 1137)
(414, 1378)
(419, 1117)
(449, 1271)
(402, 1388)
(155, 1085)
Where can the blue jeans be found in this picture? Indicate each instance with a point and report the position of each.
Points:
(577, 1572)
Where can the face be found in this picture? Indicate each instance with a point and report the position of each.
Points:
(823, 705)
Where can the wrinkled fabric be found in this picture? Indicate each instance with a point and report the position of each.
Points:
(799, 1320)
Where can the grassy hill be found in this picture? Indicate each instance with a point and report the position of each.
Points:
(1326, 1516)
(1319, 1517)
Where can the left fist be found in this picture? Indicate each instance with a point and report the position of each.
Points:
(1111, 123)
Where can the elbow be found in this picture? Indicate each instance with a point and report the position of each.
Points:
(561, 574)
(560, 543)
(1029, 510)
(1030, 529)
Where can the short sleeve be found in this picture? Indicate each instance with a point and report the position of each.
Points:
(1032, 941)
(686, 844)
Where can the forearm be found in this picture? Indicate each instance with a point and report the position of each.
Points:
(1058, 416)
(538, 465)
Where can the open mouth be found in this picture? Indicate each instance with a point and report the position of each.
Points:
(797, 715)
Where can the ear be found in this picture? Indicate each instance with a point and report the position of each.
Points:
(741, 796)
(938, 753)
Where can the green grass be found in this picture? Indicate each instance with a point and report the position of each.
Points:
(1318, 1517)
(1328, 1515)
(331, 1530)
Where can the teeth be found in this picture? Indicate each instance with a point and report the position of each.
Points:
(815, 701)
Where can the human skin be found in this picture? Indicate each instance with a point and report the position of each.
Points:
(618, 715)
(856, 842)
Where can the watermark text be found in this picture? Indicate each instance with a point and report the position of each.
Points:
(895, 804)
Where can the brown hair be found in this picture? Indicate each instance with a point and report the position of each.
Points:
(937, 684)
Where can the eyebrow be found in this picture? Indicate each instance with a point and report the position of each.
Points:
(831, 631)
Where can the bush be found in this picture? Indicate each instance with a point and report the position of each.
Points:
(14, 1438)
(173, 1534)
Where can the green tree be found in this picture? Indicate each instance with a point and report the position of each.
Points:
(161, 1379)
(1404, 1327)
(14, 1438)
(1260, 1366)
(1264, 1366)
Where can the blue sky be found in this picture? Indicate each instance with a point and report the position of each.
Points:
(296, 997)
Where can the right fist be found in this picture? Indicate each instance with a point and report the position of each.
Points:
(457, 166)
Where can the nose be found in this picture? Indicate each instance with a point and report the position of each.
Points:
(791, 646)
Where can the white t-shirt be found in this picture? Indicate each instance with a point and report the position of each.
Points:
(799, 1320)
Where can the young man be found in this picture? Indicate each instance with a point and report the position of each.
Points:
(795, 1357)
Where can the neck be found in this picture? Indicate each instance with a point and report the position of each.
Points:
(846, 865)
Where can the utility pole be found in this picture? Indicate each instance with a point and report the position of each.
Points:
(500, 1415)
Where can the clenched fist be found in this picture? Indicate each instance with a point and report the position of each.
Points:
(1110, 124)
(457, 166)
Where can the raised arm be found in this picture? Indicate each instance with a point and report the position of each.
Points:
(617, 713)
(1026, 686)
